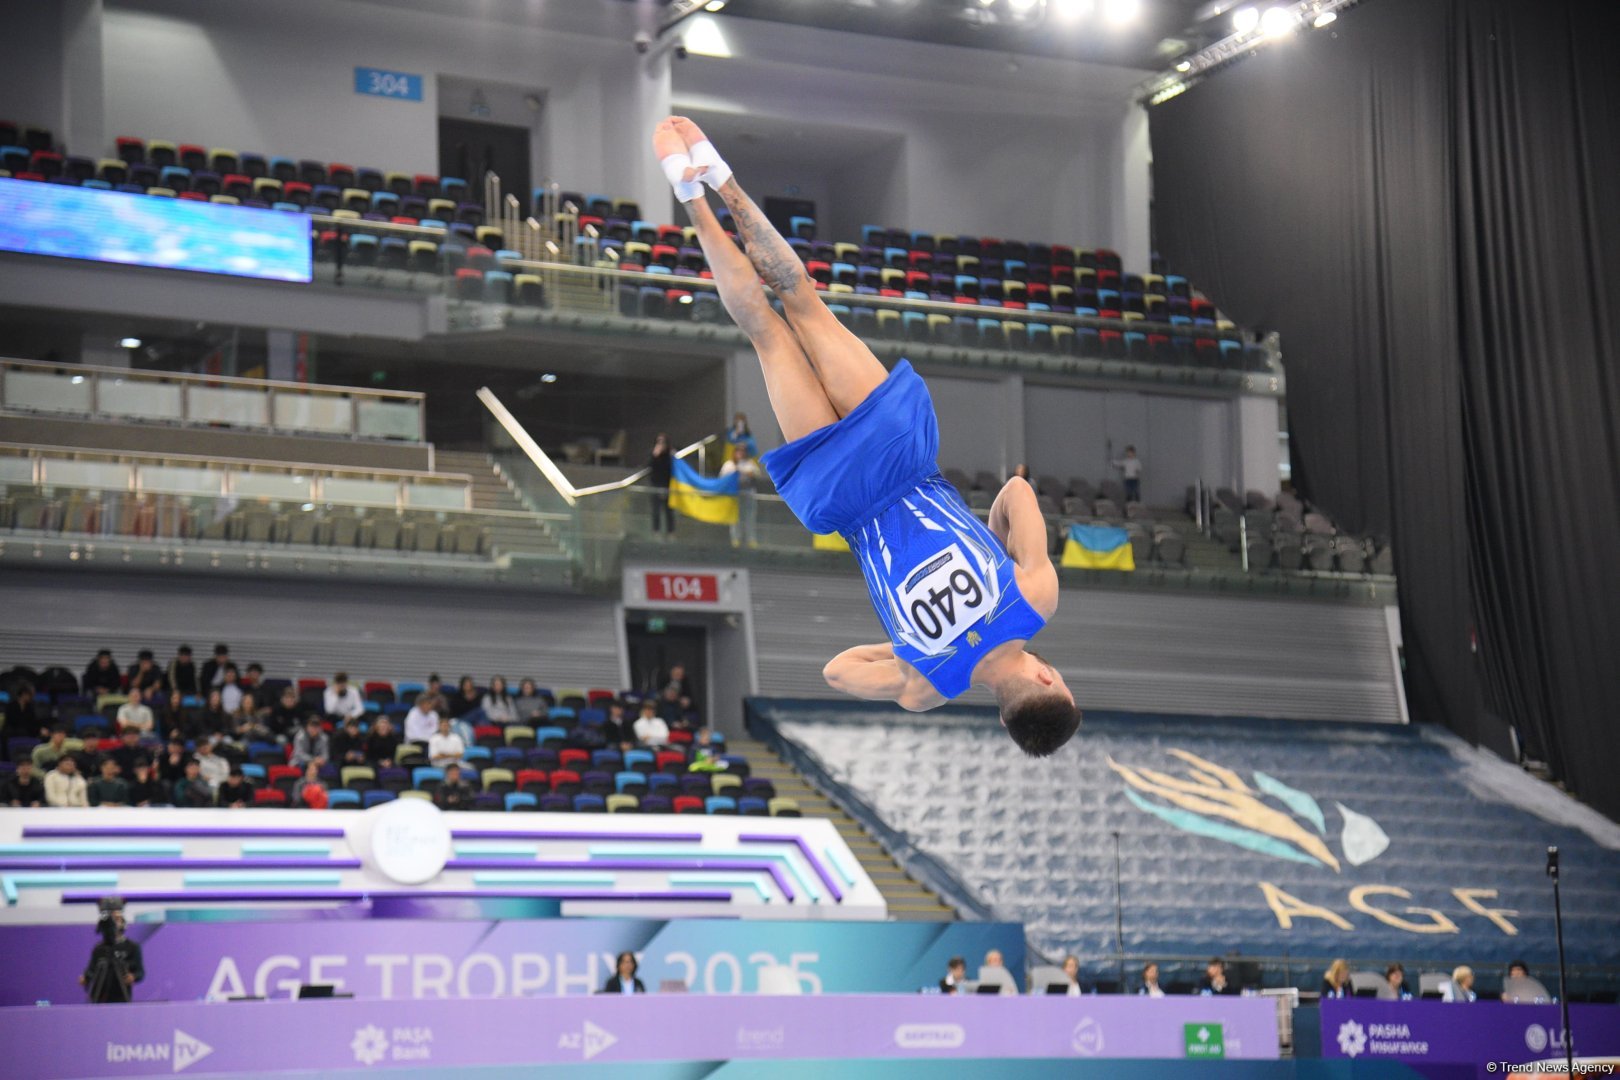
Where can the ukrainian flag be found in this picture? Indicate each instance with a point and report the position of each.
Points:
(706, 498)
(1098, 547)
(829, 542)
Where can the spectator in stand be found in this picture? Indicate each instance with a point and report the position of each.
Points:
(342, 700)
(1130, 469)
(210, 766)
(467, 698)
(993, 959)
(88, 758)
(135, 715)
(1336, 980)
(624, 980)
(650, 729)
(253, 679)
(101, 677)
(660, 472)
(453, 793)
(1518, 969)
(349, 743)
(192, 789)
(144, 788)
(382, 744)
(213, 671)
(23, 788)
(311, 744)
(955, 975)
(235, 793)
(1460, 987)
(682, 685)
(64, 786)
(108, 789)
(616, 728)
(498, 706)
(1214, 983)
(422, 722)
(214, 721)
(670, 709)
(22, 722)
(529, 703)
(748, 477)
(286, 715)
(446, 747)
(1395, 975)
(252, 722)
(172, 765)
(435, 685)
(1071, 968)
(230, 691)
(182, 675)
(310, 791)
(145, 679)
(173, 716)
(129, 751)
(1150, 981)
(46, 754)
(739, 434)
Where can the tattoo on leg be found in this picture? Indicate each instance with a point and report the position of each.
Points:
(771, 255)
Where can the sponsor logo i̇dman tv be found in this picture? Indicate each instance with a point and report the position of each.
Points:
(182, 1051)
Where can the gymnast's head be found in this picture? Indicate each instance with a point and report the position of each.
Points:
(1037, 706)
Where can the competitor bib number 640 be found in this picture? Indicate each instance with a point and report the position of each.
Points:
(942, 598)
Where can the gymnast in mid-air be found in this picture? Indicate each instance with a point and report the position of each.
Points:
(959, 600)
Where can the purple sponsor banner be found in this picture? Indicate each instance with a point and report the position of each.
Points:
(1481, 1033)
(252, 1038)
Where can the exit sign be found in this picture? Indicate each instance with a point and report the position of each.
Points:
(683, 588)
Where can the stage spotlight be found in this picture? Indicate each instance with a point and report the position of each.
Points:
(1277, 21)
(1071, 10)
(1325, 18)
(1120, 12)
(548, 377)
(715, 5)
(130, 343)
(1184, 67)
(1245, 19)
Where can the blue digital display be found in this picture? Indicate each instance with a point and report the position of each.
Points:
(150, 230)
(393, 84)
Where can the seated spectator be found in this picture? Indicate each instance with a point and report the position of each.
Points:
(23, 788)
(251, 722)
(453, 792)
(182, 674)
(467, 698)
(101, 676)
(64, 786)
(252, 679)
(230, 691)
(145, 789)
(129, 751)
(22, 721)
(446, 747)
(312, 744)
(45, 755)
(617, 728)
(146, 681)
(192, 789)
(213, 671)
(498, 706)
(310, 791)
(1214, 981)
(342, 700)
(993, 959)
(286, 715)
(650, 728)
(1460, 987)
(172, 716)
(382, 744)
(235, 793)
(214, 721)
(1395, 975)
(955, 975)
(1336, 980)
(670, 709)
(349, 743)
(681, 683)
(172, 765)
(1071, 968)
(211, 767)
(704, 760)
(422, 722)
(88, 758)
(624, 980)
(1150, 981)
(1518, 969)
(135, 715)
(529, 704)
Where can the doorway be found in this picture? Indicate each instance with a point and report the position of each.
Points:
(470, 148)
(656, 645)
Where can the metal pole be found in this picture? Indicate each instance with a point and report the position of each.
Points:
(1243, 540)
(1119, 917)
(1563, 989)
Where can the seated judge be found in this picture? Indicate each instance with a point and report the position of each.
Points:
(625, 981)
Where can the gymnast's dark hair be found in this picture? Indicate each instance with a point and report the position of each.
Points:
(1040, 723)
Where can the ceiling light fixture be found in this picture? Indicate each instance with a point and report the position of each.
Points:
(1184, 67)
(1279, 21)
(1120, 12)
(130, 343)
(1324, 19)
(1245, 19)
(715, 5)
(1071, 10)
(548, 377)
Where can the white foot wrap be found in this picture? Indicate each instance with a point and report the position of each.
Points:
(704, 155)
(675, 167)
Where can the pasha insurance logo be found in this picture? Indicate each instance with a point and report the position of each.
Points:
(590, 1040)
(1269, 817)
(929, 1036)
(1352, 1039)
(183, 1051)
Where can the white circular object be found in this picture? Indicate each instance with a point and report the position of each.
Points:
(410, 841)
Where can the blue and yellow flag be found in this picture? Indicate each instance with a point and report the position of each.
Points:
(706, 498)
(829, 542)
(1098, 547)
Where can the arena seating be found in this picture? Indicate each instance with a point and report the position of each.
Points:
(1409, 813)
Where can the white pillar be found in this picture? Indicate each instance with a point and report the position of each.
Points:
(1130, 190)
(1014, 449)
(1259, 454)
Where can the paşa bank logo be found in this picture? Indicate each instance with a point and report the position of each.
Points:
(1214, 801)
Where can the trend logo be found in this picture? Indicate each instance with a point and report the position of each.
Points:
(1214, 801)
(370, 1044)
(1352, 1039)
(188, 1050)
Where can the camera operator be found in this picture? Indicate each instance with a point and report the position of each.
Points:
(115, 964)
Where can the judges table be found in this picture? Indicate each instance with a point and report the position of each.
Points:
(327, 1037)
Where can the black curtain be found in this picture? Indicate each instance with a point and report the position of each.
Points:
(1421, 199)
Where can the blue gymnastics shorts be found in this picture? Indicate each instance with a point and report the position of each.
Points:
(839, 477)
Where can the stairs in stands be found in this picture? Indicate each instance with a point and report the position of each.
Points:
(906, 898)
(491, 491)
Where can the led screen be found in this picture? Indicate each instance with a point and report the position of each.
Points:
(149, 230)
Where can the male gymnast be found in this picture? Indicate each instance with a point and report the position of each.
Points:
(959, 601)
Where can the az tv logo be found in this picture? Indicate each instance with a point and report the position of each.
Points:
(589, 1040)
